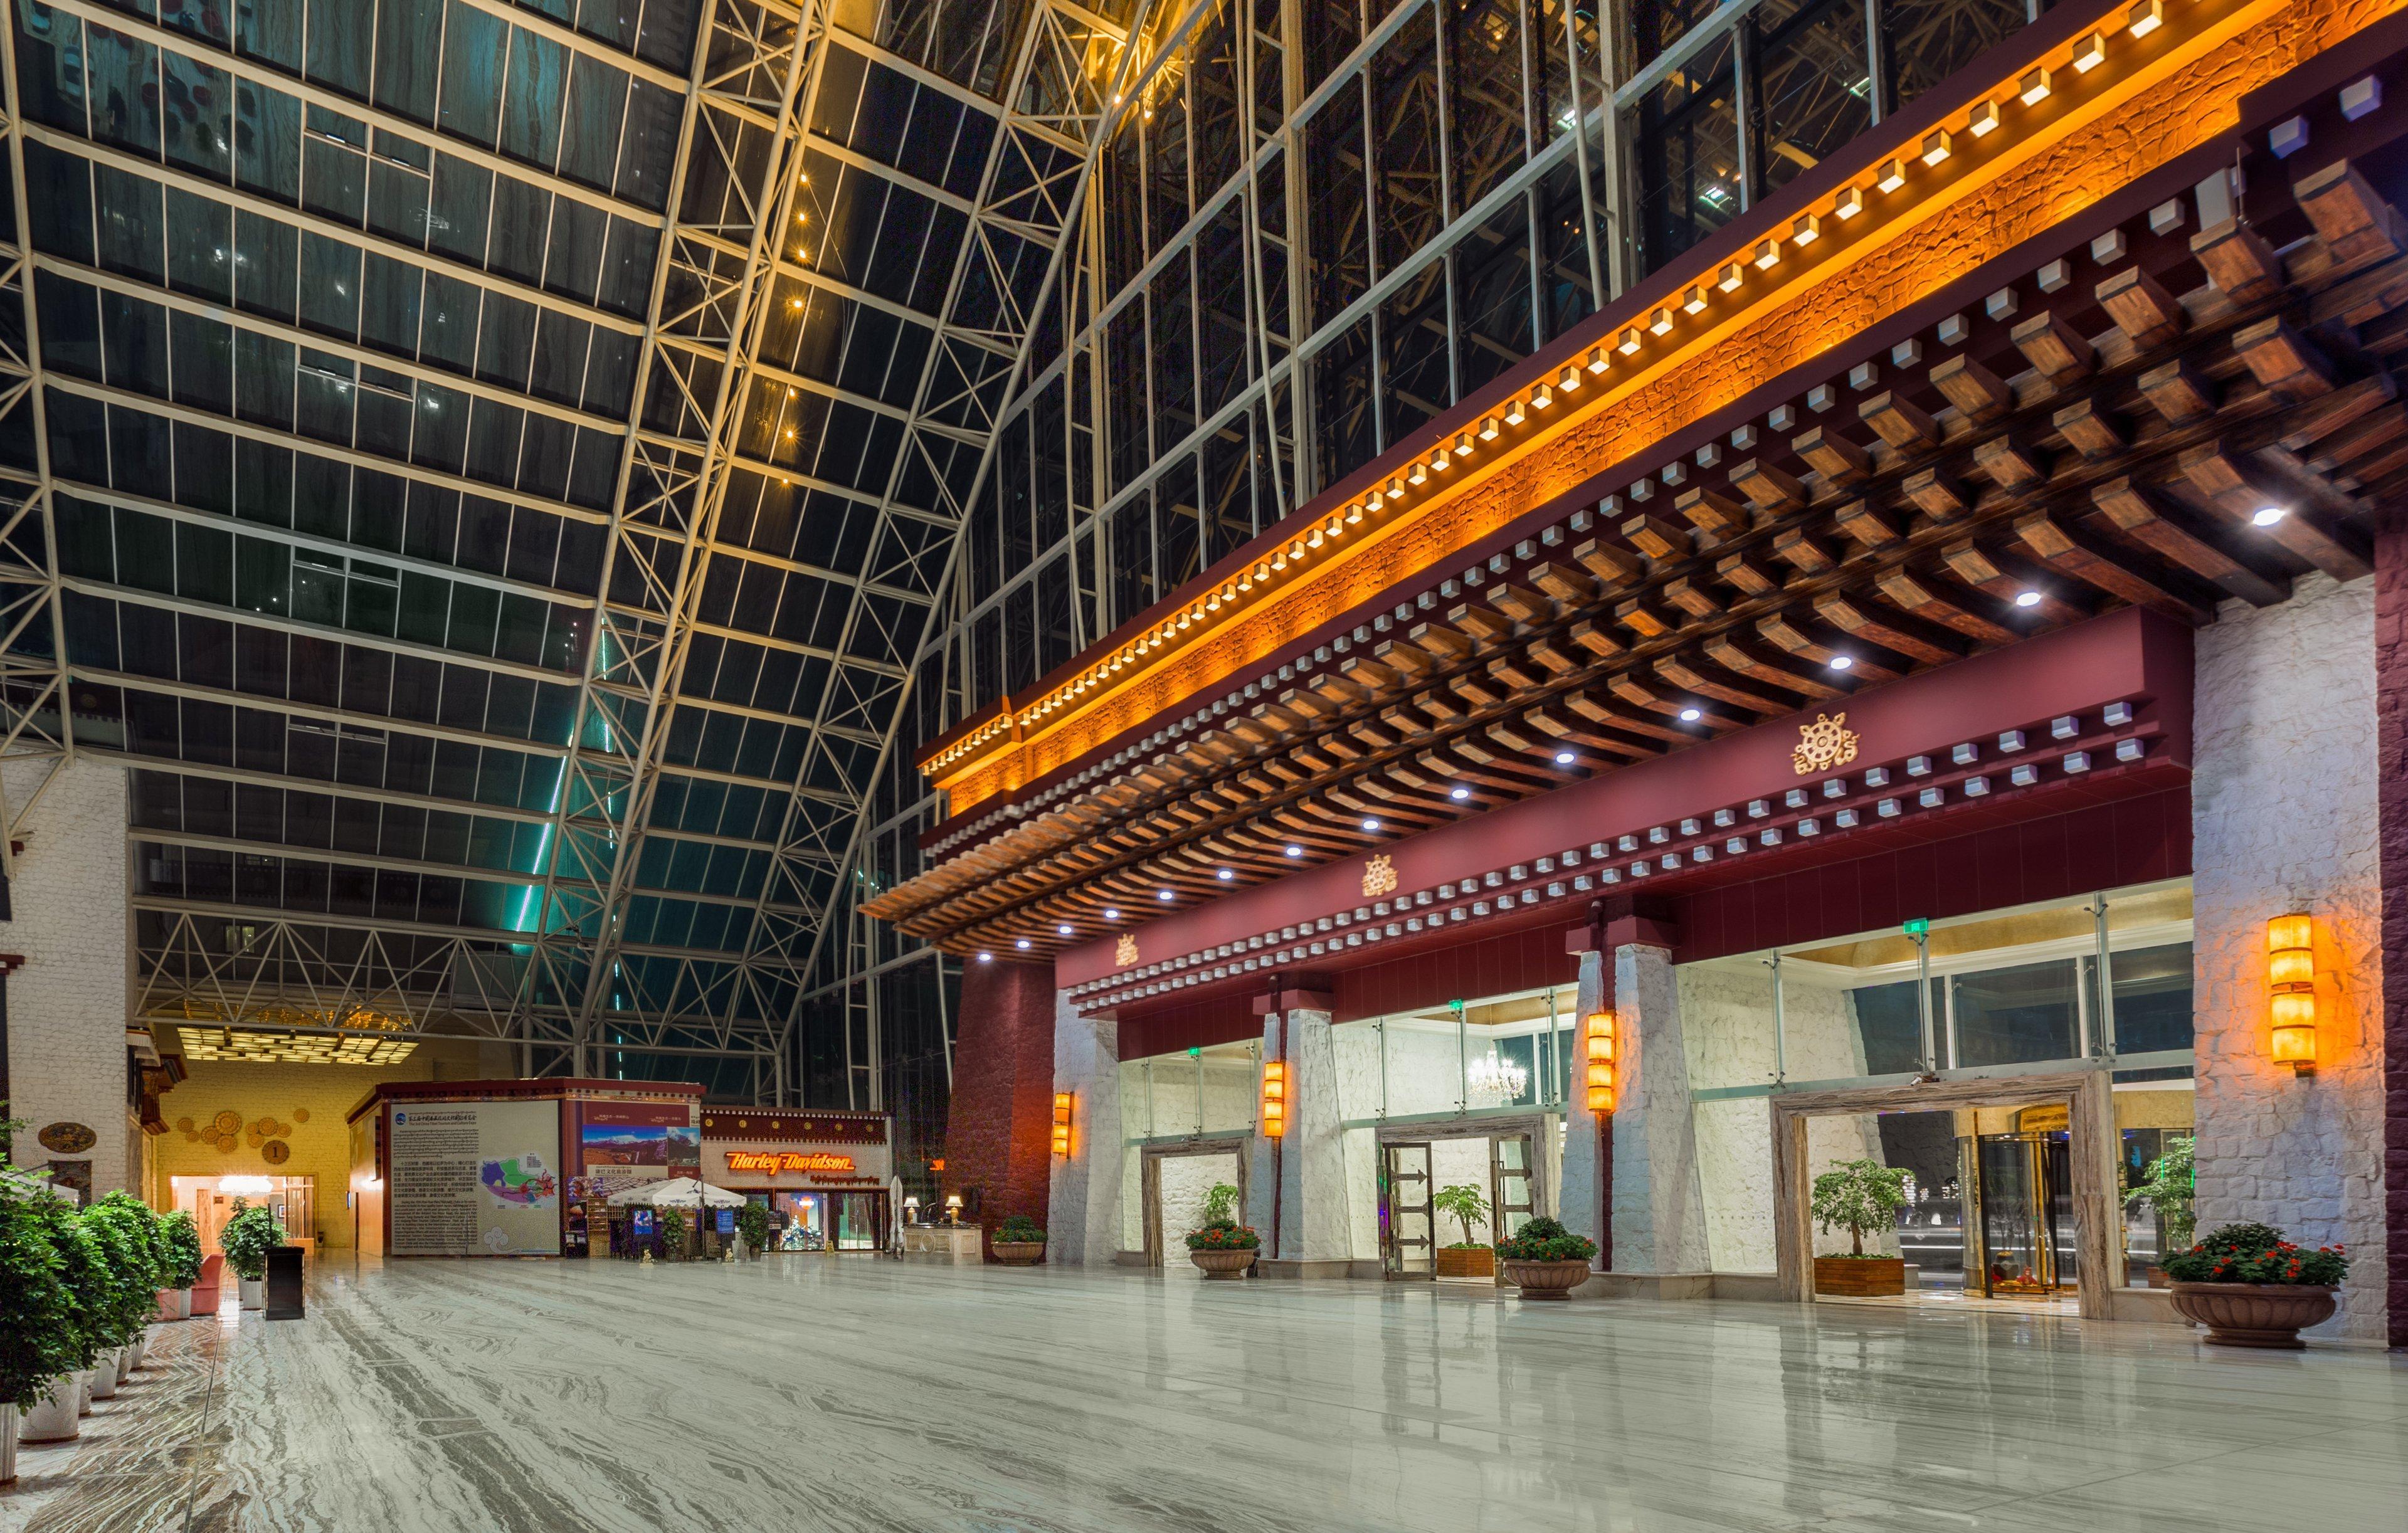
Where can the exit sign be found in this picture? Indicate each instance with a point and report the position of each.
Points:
(1919, 926)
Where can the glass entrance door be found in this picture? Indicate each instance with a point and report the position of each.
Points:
(1406, 1244)
(2024, 1227)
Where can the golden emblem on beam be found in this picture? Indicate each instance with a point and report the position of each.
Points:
(1826, 743)
(1124, 951)
(1379, 876)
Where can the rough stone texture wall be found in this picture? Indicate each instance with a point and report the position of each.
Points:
(1658, 1209)
(2284, 817)
(68, 1006)
(1086, 1187)
(2392, 745)
(1315, 1223)
(1582, 1204)
(1000, 1134)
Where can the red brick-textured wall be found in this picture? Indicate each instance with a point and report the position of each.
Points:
(2391, 755)
(999, 1133)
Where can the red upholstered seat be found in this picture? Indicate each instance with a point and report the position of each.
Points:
(204, 1293)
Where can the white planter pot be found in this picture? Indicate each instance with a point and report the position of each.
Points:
(83, 1391)
(52, 1419)
(8, 1443)
(103, 1375)
(254, 1292)
(183, 1304)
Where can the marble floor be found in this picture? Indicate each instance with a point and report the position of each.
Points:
(846, 1393)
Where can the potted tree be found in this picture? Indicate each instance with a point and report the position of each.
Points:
(1221, 1247)
(1019, 1241)
(2250, 1287)
(1863, 1197)
(752, 1224)
(119, 1270)
(129, 1237)
(181, 1239)
(80, 1266)
(247, 1239)
(39, 1319)
(1546, 1260)
(2171, 1193)
(673, 1234)
(1467, 1258)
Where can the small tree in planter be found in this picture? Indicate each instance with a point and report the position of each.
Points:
(673, 1234)
(129, 1239)
(247, 1239)
(1019, 1241)
(1546, 1260)
(40, 1318)
(1863, 1197)
(1221, 1247)
(1465, 1205)
(181, 1239)
(2171, 1193)
(2250, 1287)
(753, 1223)
(84, 1277)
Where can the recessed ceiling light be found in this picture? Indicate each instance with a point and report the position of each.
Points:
(2266, 516)
(1563, 758)
(1225, 874)
(1162, 894)
(1021, 942)
(1063, 929)
(1840, 661)
(1459, 794)
(987, 957)
(1296, 851)
(2026, 598)
(1111, 912)
(1690, 716)
(1370, 825)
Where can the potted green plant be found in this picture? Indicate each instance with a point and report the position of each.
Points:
(40, 1317)
(119, 1271)
(1019, 1241)
(129, 1239)
(753, 1223)
(2250, 1287)
(1222, 1248)
(1467, 1258)
(53, 1418)
(247, 1239)
(1546, 1260)
(182, 1240)
(1863, 1197)
(673, 1234)
(2172, 1192)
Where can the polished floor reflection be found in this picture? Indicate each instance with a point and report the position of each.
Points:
(834, 1393)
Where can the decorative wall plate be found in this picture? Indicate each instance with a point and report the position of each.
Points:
(275, 1152)
(68, 1139)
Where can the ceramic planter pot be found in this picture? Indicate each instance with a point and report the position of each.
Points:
(254, 1292)
(1467, 1262)
(1860, 1277)
(1020, 1253)
(2255, 1314)
(1227, 1265)
(1546, 1280)
(83, 1391)
(7, 1444)
(53, 1418)
(103, 1375)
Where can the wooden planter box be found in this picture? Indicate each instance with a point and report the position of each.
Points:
(1860, 1277)
(1467, 1262)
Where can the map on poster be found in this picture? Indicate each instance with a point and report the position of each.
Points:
(622, 1143)
(475, 1178)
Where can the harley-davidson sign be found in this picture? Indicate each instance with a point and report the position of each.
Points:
(776, 1162)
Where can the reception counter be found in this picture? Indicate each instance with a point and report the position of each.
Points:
(958, 1242)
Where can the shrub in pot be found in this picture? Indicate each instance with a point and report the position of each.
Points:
(1224, 1248)
(180, 1238)
(753, 1223)
(129, 1232)
(2170, 1191)
(1467, 1258)
(82, 1270)
(1863, 1197)
(247, 1239)
(673, 1234)
(1019, 1241)
(41, 1320)
(2250, 1287)
(1546, 1260)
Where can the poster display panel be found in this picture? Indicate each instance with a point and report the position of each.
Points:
(475, 1178)
(619, 1144)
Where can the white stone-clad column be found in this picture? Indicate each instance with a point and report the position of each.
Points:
(2285, 818)
(1659, 1204)
(1314, 1236)
(1083, 1208)
(1583, 1200)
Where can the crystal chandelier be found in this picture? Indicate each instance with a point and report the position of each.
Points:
(1493, 1082)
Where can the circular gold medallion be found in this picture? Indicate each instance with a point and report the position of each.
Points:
(275, 1152)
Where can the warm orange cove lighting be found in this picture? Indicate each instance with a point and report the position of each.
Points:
(1274, 1098)
(1599, 1047)
(775, 1162)
(2291, 978)
(1062, 1124)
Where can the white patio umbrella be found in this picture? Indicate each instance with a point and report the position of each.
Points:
(678, 1193)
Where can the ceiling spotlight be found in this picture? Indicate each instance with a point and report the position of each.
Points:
(987, 957)
(2026, 598)
(1111, 912)
(1296, 851)
(1370, 825)
(1019, 943)
(1690, 716)
(1563, 758)
(2266, 516)
(1225, 874)
(1458, 795)
(1840, 661)
(1063, 929)
(1163, 894)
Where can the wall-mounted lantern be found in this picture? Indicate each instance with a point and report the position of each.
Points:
(2291, 981)
(1274, 1098)
(1597, 1045)
(1062, 1124)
